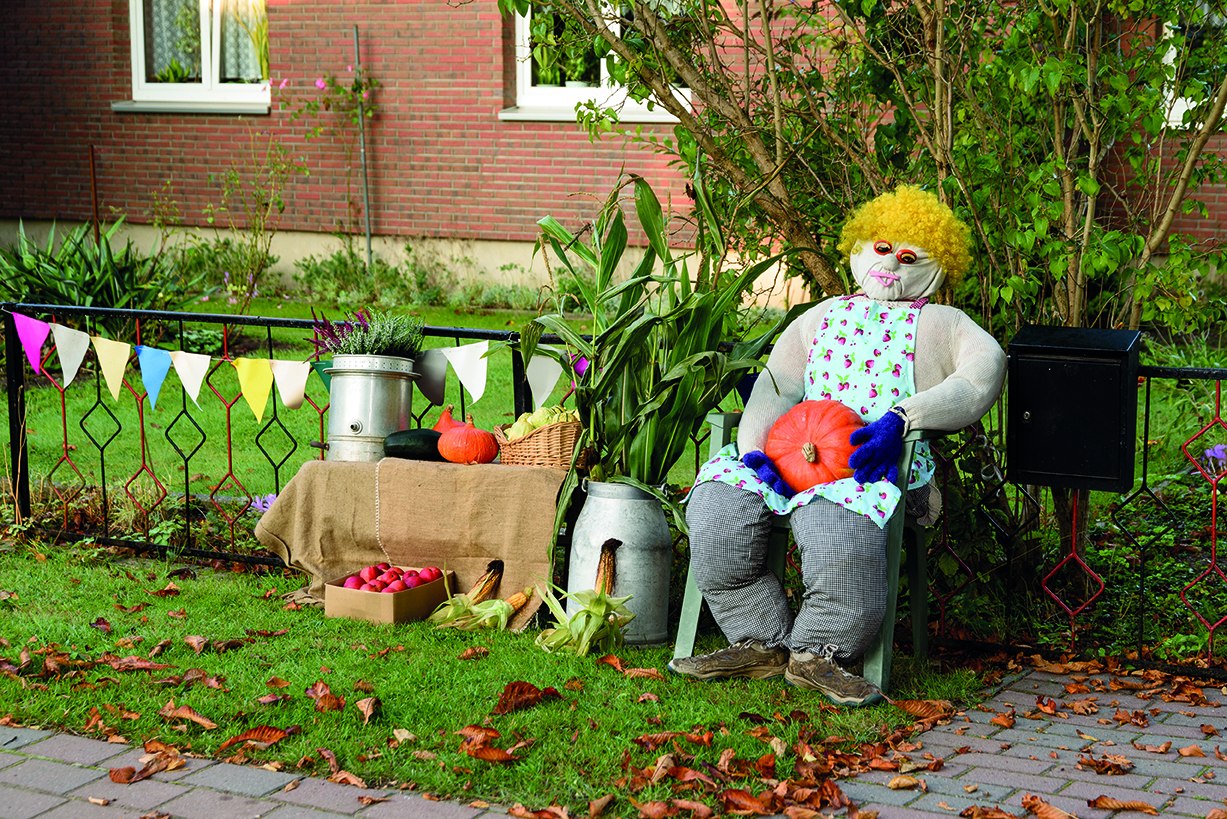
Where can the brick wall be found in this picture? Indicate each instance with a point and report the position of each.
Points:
(440, 161)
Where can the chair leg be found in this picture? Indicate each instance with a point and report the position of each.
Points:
(688, 620)
(880, 656)
(918, 590)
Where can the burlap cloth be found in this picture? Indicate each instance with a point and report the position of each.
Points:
(335, 517)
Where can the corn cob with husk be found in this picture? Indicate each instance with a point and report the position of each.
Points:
(601, 617)
(459, 607)
(491, 614)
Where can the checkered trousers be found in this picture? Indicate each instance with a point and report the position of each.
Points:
(843, 570)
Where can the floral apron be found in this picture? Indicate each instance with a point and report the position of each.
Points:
(863, 356)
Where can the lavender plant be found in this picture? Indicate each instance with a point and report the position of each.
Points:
(367, 333)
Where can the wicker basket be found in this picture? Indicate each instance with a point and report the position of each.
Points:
(550, 445)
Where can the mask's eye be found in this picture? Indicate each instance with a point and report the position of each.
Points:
(881, 248)
(906, 257)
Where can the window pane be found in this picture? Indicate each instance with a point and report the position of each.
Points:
(172, 40)
(244, 41)
(545, 41)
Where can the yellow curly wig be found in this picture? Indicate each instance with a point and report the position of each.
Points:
(911, 215)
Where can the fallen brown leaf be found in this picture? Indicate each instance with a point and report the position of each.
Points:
(474, 653)
(368, 707)
(1036, 805)
(612, 661)
(1191, 750)
(346, 778)
(197, 643)
(644, 674)
(1154, 749)
(981, 812)
(325, 700)
(261, 737)
(1108, 803)
(277, 682)
(903, 782)
(596, 807)
(520, 695)
(648, 696)
(373, 800)
(1109, 764)
(171, 711)
(926, 709)
(1005, 720)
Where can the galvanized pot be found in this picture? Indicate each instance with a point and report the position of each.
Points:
(369, 397)
(643, 562)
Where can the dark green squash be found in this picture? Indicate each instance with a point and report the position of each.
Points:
(413, 444)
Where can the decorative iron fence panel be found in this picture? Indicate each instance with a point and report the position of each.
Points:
(1142, 574)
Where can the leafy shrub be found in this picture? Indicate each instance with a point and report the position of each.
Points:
(219, 263)
(342, 278)
(77, 271)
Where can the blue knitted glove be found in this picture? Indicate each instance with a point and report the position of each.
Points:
(878, 447)
(766, 471)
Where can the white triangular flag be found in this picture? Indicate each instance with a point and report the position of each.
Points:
(112, 359)
(542, 373)
(192, 369)
(291, 380)
(470, 365)
(71, 345)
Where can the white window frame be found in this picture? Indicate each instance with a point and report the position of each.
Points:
(210, 94)
(559, 103)
(1178, 106)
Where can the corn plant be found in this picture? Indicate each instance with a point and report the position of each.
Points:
(659, 359)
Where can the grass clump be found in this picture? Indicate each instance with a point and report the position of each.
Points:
(232, 651)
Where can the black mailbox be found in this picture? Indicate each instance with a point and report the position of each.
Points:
(1072, 417)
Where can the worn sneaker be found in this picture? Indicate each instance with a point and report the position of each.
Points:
(820, 672)
(748, 658)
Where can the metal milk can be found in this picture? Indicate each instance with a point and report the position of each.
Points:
(643, 561)
(370, 396)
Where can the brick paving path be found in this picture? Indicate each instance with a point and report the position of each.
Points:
(45, 774)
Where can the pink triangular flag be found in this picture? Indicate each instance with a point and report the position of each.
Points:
(32, 333)
(291, 380)
(192, 369)
(112, 358)
(71, 345)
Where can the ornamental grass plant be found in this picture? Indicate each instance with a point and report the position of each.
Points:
(97, 645)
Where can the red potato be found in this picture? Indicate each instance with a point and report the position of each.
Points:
(366, 587)
(369, 573)
(429, 573)
(352, 582)
(412, 582)
(383, 567)
(388, 576)
(394, 586)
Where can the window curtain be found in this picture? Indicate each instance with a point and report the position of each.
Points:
(244, 41)
(172, 36)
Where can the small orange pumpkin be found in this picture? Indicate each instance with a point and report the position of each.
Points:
(446, 421)
(466, 444)
(809, 443)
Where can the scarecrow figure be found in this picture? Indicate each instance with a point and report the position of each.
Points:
(899, 364)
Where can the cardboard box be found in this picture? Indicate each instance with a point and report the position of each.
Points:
(378, 607)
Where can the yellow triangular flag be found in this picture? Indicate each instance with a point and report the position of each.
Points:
(256, 381)
(112, 358)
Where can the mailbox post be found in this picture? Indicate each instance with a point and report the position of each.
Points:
(1072, 412)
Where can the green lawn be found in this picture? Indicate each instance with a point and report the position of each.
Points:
(67, 614)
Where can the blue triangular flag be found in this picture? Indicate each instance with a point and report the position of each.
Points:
(155, 364)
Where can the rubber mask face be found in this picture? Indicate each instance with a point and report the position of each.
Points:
(893, 271)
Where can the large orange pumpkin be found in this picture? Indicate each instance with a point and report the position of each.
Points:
(809, 443)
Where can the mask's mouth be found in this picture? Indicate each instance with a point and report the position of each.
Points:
(884, 277)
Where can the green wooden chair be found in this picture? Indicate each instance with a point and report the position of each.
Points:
(879, 656)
